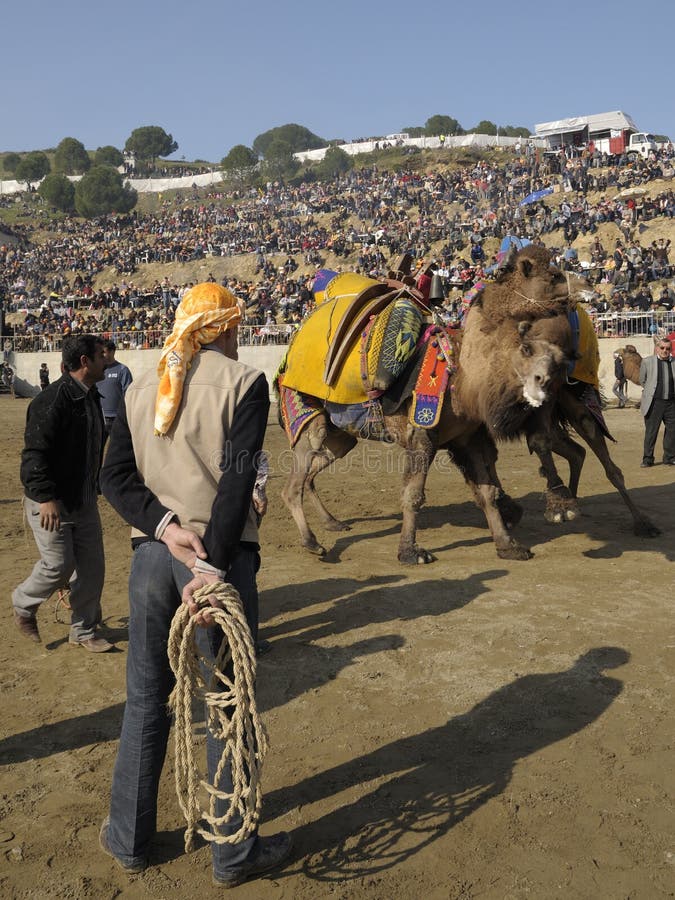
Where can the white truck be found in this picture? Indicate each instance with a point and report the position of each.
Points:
(633, 143)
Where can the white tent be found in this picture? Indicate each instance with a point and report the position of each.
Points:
(609, 121)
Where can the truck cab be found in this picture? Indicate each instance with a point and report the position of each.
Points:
(640, 143)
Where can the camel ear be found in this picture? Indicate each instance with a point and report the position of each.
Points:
(507, 264)
(523, 328)
(526, 267)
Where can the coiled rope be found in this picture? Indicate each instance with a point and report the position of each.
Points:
(231, 716)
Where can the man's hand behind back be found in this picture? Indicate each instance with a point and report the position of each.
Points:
(184, 545)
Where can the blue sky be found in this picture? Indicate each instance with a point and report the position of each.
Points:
(215, 74)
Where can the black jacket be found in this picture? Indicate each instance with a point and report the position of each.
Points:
(54, 458)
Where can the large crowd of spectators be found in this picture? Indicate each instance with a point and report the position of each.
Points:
(365, 217)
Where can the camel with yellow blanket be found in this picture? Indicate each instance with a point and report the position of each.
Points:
(500, 379)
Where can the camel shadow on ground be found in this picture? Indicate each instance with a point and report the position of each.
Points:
(416, 789)
(604, 519)
(300, 663)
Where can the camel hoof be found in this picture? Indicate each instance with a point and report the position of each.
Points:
(514, 551)
(561, 509)
(645, 528)
(315, 549)
(417, 556)
(337, 526)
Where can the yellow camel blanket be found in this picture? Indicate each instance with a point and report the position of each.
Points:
(391, 333)
(586, 345)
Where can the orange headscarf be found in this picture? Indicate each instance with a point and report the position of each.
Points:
(204, 313)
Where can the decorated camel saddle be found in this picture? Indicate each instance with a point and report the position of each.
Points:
(361, 340)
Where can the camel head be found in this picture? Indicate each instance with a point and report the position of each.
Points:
(527, 286)
(543, 353)
(507, 372)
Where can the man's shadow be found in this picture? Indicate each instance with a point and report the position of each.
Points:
(414, 790)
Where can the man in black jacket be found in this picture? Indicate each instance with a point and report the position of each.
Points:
(59, 472)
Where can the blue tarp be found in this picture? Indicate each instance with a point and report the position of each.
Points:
(537, 195)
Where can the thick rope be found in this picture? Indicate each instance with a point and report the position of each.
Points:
(231, 716)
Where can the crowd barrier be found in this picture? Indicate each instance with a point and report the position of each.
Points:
(607, 325)
(634, 324)
(148, 339)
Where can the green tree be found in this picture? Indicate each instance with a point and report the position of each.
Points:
(514, 131)
(484, 127)
(279, 161)
(240, 165)
(108, 156)
(32, 167)
(240, 158)
(58, 191)
(10, 162)
(101, 191)
(335, 162)
(149, 142)
(415, 131)
(71, 158)
(296, 136)
(437, 125)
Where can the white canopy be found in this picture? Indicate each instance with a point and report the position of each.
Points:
(617, 121)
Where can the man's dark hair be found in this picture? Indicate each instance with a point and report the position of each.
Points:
(110, 345)
(76, 346)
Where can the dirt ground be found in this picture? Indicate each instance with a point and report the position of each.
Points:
(475, 728)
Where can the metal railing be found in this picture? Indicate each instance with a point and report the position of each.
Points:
(146, 339)
(634, 323)
(607, 325)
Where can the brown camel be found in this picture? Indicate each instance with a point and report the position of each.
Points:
(506, 374)
(578, 405)
(631, 363)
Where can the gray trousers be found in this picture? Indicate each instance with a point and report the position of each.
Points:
(71, 557)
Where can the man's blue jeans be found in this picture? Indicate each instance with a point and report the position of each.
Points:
(155, 585)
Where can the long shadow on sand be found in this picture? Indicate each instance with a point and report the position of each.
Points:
(299, 664)
(414, 790)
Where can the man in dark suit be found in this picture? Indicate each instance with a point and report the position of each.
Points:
(657, 377)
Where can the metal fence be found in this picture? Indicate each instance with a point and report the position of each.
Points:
(634, 324)
(147, 339)
(609, 325)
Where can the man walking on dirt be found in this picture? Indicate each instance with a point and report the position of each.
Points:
(59, 471)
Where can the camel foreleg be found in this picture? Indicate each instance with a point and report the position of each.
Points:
(477, 462)
(561, 502)
(418, 457)
(587, 427)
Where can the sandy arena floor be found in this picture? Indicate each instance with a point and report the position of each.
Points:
(476, 728)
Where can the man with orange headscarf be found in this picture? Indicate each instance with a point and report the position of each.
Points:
(181, 469)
